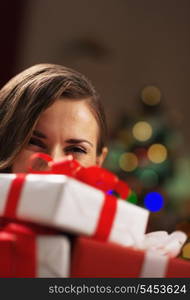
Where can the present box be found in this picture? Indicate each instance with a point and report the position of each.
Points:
(25, 254)
(67, 204)
(92, 258)
(6, 254)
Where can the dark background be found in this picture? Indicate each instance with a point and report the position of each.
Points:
(120, 45)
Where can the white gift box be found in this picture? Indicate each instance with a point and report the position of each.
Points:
(53, 256)
(65, 203)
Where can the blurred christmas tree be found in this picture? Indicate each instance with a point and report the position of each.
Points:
(146, 151)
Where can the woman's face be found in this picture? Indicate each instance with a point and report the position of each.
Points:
(67, 127)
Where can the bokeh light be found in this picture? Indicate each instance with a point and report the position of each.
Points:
(154, 201)
(151, 95)
(128, 161)
(142, 131)
(157, 153)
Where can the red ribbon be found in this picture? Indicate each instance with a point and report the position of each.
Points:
(18, 251)
(14, 196)
(106, 218)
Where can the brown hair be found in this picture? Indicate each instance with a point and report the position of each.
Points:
(28, 94)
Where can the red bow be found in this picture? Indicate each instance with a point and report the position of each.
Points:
(95, 176)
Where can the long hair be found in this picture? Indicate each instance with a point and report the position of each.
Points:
(28, 94)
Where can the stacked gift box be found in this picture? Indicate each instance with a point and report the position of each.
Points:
(64, 223)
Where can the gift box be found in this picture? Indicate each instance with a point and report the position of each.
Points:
(25, 254)
(92, 258)
(70, 205)
(6, 254)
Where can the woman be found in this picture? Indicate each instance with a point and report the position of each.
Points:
(52, 109)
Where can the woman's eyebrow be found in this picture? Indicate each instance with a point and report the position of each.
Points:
(39, 134)
(78, 141)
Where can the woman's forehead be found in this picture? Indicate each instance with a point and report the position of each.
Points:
(69, 118)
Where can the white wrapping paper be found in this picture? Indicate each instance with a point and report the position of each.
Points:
(65, 203)
(53, 256)
(155, 265)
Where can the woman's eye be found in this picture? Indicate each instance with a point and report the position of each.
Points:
(37, 143)
(76, 150)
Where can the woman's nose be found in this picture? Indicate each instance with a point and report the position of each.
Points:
(57, 153)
